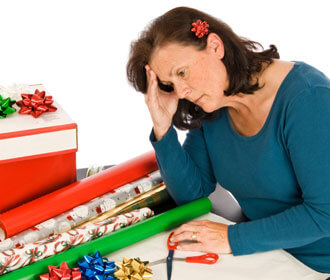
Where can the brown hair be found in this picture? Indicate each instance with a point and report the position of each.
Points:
(242, 58)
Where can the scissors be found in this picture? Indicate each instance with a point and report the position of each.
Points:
(209, 258)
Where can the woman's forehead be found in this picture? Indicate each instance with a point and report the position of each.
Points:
(171, 55)
(171, 51)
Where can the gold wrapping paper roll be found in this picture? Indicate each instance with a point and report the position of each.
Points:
(158, 194)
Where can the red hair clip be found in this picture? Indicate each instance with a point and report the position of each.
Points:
(200, 28)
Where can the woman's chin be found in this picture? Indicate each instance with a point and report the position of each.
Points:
(208, 108)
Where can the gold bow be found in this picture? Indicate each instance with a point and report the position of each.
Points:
(133, 269)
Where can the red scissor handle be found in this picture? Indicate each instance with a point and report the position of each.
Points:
(209, 258)
(171, 245)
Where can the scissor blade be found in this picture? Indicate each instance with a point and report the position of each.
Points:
(179, 259)
(158, 262)
(169, 261)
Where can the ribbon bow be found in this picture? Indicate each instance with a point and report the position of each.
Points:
(62, 273)
(133, 269)
(36, 104)
(200, 28)
(6, 107)
(94, 267)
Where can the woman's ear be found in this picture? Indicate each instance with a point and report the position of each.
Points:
(215, 45)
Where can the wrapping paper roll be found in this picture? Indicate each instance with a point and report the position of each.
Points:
(16, 258)
(117, 240)
(149, 199)
(83, 213)
(57, 202)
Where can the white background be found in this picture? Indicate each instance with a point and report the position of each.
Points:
(79, 50)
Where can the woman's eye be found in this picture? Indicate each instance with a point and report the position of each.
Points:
(181, 73)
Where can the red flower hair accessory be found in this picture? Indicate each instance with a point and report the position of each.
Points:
(200, 28)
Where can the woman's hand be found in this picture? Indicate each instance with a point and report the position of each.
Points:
(211, 237)
(162, 105)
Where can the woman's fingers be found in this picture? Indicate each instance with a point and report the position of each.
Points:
(162, 107)
(185, 232)
(210, 237)
(151, 76)
(187, 227)
(198, 247)
(152, 86)
(187, 235)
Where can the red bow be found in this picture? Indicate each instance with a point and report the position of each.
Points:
(36, 104)
(200, 28)
(61, 273)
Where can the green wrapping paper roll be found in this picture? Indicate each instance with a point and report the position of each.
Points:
(117, 240)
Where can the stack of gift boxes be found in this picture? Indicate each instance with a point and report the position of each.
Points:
(38, 145)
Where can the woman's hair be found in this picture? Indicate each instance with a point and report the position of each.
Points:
(242, 58)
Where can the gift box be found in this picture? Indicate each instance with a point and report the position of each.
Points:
(37, 154)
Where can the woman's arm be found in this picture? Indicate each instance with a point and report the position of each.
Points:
(186, 169)
(307, 134)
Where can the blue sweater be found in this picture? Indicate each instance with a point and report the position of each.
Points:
(280, 176)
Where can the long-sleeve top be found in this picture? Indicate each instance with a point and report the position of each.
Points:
(280, 176)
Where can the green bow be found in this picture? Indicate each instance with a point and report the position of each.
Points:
(6, 107)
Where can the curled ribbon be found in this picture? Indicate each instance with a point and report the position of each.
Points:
(62, 273)
(6, 107)
(36, 104)
(94, 267)
(133, 269)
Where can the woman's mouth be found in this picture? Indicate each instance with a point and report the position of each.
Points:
(198, 99)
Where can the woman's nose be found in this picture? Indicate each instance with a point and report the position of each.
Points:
(183, 91)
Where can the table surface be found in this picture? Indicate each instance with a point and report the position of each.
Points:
(277, 264)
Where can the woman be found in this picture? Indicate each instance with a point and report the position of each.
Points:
(258, 125)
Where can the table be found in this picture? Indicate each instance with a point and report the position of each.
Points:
(277, 264)
(272, 265)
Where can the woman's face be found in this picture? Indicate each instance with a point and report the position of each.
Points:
(198, 76)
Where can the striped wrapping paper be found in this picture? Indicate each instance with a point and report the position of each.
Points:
(19, 257)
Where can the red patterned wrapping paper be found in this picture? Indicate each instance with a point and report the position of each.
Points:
(57, 202)
(17, 258)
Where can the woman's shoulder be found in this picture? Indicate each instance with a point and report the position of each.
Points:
(305, 106)
(308, 76)
(307, 92)
(303, 82)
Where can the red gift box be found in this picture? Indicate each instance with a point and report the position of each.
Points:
(37, 155)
